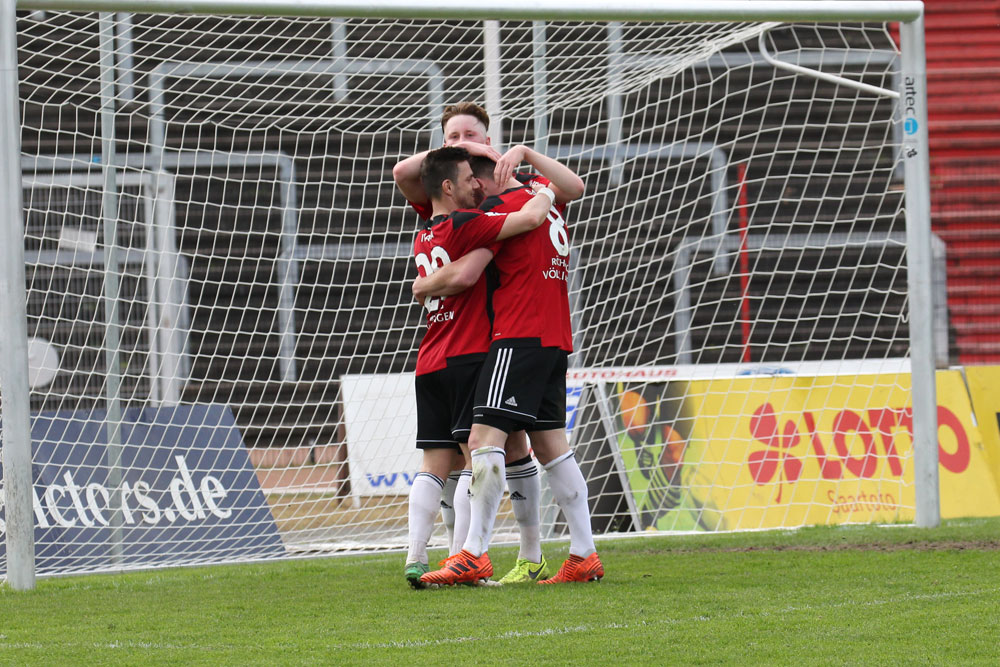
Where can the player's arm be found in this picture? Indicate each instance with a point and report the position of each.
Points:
(531, 215)
(566, 185)
(463, 273)
(453, 278)
(406, 173)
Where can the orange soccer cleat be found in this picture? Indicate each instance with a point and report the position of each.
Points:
(577, 569)
(462, 568)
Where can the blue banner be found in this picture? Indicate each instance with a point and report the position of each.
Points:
(188, 493)
(572, 403)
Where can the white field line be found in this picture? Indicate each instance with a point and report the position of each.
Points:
(547, 632)
(510, 634)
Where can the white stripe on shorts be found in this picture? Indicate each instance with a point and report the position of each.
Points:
(499, 378)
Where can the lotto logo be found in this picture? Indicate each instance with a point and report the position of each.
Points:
(787, 450)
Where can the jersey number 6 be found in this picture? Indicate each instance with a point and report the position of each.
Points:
(558, 233)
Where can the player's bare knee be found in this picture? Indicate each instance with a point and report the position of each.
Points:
(438, 462)
(486, 436)
(548, 445)
(517, 446)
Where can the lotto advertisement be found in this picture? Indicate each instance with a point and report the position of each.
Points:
(766, 452)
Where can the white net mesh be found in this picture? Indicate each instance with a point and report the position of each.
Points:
(736, 216)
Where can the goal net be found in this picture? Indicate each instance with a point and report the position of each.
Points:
(222, 340)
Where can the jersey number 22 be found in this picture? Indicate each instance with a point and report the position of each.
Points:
(438, 258)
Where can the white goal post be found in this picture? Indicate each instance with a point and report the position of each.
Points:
(232, 335)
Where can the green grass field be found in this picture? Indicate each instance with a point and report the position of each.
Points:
(889, 595)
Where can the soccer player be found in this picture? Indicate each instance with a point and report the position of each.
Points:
(457, 336)
(523, 386)
(466, 125)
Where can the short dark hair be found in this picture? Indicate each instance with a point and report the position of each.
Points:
(465, 109)
(439, 166)
(482, 166)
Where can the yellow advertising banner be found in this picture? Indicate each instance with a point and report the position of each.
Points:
(767, 452)
(984, 388)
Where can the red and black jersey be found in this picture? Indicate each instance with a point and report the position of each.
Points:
(423, 210)
(532, 300)
(458, 325)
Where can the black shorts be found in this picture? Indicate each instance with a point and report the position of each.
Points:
(522, 386)
(444, 406)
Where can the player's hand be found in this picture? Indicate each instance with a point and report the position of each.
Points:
(419, 294)
(537, 187)
(485, 150)
(507, 164)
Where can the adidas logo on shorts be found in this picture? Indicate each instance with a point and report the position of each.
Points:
(511, 402)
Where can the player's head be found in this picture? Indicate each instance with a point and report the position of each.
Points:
(465, 121)
(447, 177)
(483, 168)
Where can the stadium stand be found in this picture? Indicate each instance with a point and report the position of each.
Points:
(963, 82)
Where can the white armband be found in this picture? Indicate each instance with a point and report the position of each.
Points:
(548, 193)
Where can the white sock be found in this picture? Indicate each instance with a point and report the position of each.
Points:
(448, 505)
(525, 487)
(463, 509)
(425, 501)
(570, 491)
(486, 491)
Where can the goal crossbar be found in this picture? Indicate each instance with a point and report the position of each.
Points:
(550, 10)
